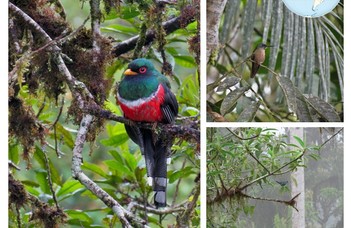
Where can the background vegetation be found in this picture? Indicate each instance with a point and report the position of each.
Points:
(302, 78)
(65, 58)
(252, 177)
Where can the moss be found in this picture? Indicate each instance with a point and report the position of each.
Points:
(42, 71)
(24, 126)
(48, 216)
(91, 73)
(17, 194)
(194, 47)
(42, 213)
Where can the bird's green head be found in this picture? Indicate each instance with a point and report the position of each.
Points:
(140, 67)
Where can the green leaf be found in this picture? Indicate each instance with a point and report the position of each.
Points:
(70, 187)
(121, 168)
(116, 155)
(30, 183)
(117, 135)
(249, 210)
(315, 156)
(115, 140)
(189, 92)
(126, 12)
(67, 136)
(300, 141)
(129, 11)
(41, 176)
(181, 174)
(118, 28)
(14, 153)
(185, 61)
(40, 158)
(95, 169)
(130, 160)
(78, 215)
(33, 191)
(112, 107)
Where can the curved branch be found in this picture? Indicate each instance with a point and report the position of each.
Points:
(187, 16)
(77, 173)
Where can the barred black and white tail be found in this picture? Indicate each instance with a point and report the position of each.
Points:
(155, 154)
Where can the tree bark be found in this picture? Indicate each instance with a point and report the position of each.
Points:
(214, 13)
(298, 217)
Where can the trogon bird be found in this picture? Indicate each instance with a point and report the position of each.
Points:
(144, 95)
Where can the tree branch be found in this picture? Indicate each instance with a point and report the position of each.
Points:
(77, 173)
(163, 211)
(187, 16)
(180, 131)
(291, 202)
(75, 86)
(95, 25)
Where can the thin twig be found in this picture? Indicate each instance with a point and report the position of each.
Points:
(59, 113)
(258, 161)
(331, 137)
(273, 172)
(49, 179)
(177, 186)
(241, 138)
(13, 165)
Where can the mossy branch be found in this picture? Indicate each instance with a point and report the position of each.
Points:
(187, 16)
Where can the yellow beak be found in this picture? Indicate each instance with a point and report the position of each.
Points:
(129, 72)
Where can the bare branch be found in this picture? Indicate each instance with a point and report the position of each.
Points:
(162, 211)
(291, 202)
(47, 166)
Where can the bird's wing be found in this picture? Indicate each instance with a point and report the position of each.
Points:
(169, 107)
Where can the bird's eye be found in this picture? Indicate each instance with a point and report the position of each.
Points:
(142, 70)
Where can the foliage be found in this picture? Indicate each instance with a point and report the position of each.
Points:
(302, 78)
(249, 169)
(45, 112)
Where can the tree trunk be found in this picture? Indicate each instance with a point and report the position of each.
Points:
(214, 12)
(298, 217)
